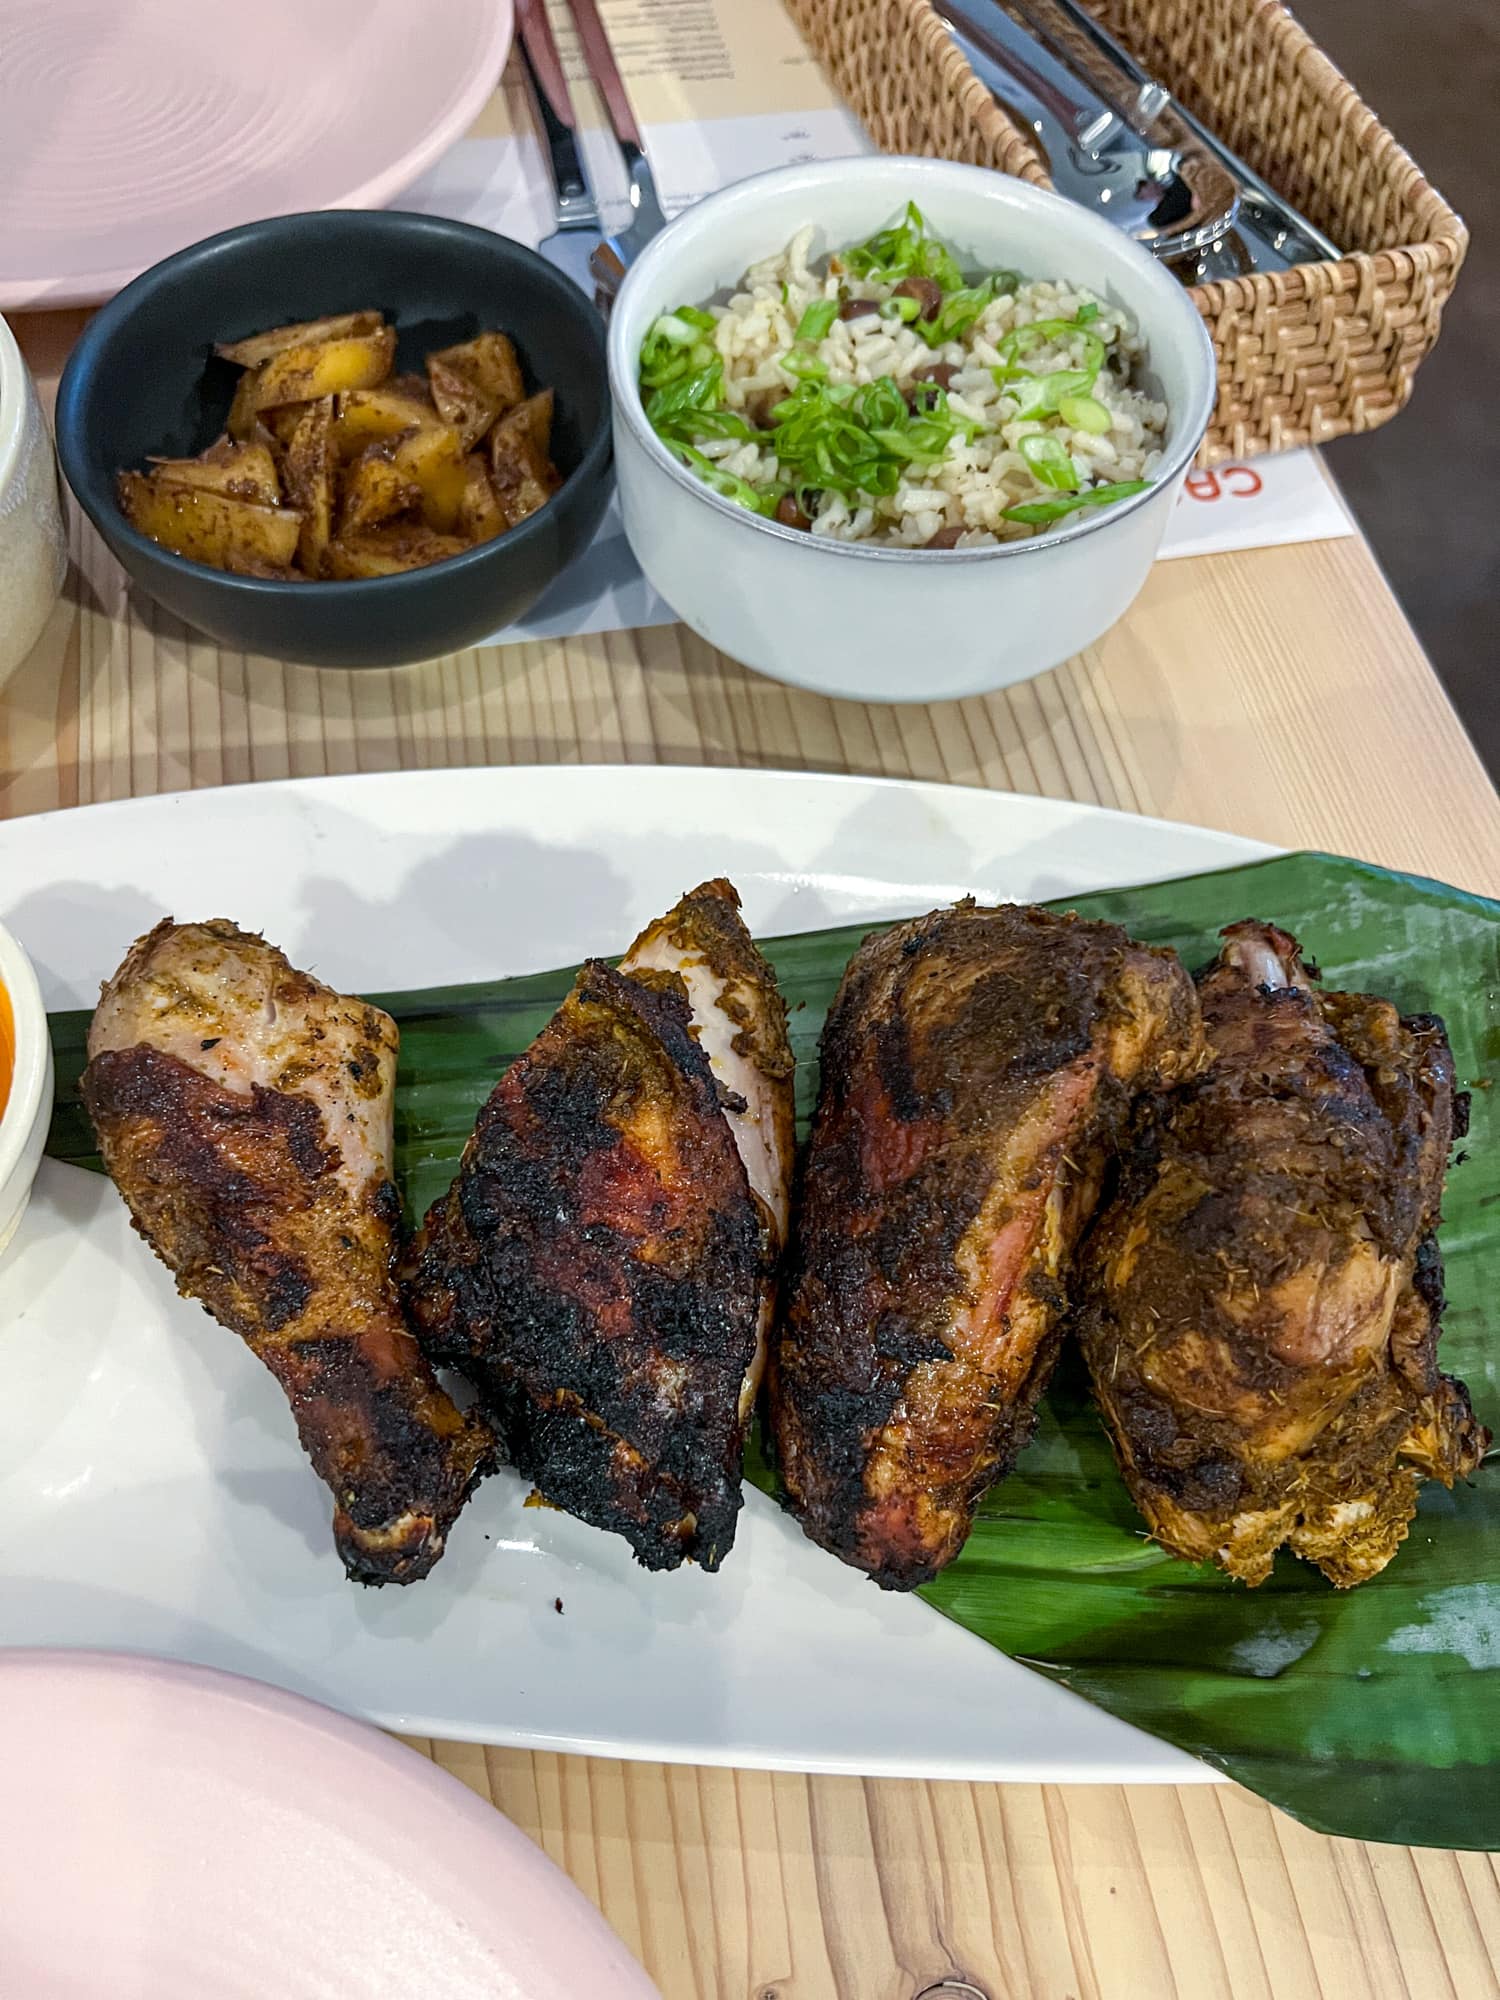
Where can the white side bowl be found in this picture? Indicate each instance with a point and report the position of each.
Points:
(28, 1109)
(883, 624)
(33, 543)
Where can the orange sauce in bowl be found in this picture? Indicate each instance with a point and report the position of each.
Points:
(7, 1047)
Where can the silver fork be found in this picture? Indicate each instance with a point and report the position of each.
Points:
(617, 253)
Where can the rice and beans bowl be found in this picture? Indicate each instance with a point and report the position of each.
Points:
(881, 395)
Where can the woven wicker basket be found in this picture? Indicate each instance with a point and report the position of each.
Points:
(1304, 355)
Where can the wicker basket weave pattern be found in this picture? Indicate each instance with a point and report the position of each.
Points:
(1304, 355)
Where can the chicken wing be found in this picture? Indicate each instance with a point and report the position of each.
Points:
(600, 1265)
(1262, 1299)
(977, 1067)
(244, 1111)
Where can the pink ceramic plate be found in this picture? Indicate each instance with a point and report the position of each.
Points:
(131, 128)
(171, 1833)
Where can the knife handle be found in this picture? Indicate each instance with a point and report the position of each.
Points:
(576, 207)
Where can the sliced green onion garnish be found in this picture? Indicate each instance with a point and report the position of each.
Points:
(805, 363)
(853, 439)
(858, 441)
(1021, 339)
(904, 251)
(816, 321)
(727, 483)
(1040, 395)
(905, 309)
(879, 403)
(1085, 413)
(1050, 464)
(681, 328)
(692, 407)
(1085, 313)
(957, 313)
(1037, 513)
(676, 345)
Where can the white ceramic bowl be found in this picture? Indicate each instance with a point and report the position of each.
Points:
(28, 1109)
(33, 545)
(883, 624)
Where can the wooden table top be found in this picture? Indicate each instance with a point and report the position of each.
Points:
(1278, 693)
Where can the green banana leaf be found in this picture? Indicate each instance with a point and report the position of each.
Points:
(1373, 1713)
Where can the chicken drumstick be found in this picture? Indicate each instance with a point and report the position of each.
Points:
(244, 1111)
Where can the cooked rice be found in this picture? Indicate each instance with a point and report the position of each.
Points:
(971, 486)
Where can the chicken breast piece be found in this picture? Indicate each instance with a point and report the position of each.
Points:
(244, 1110)
(738, 1018)
(1262, 1299)
(596, 1271)
(977, 1068)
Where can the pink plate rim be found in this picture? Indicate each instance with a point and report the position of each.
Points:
(468, 1833)
(93, 288)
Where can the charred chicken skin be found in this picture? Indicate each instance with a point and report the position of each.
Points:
(739, 1022)
(600, 1265)
(978, 1066)
(244, 1111)
(1262, 1298)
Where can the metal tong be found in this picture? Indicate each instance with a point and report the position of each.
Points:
(1067, 27)
(1117, 140)
(1117, 153)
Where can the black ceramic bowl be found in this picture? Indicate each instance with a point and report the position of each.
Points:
(143, 379)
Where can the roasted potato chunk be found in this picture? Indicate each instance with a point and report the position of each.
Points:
(279, 425)
(242, 422)
(464, 405)
(247, 471)
(532, 420)
(416, 389)
(333, 466)
(479, 515)
(310, 471)
(376, 489)
(324, 368)
(524, 476)
(388, 552)
(259, 347)
(433, 457)
(253, 566)
(368, 416)
(488, 364)
(209, 527)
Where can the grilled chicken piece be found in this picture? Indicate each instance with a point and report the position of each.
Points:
(245, 1112)
(977, 1068)
(739, 1021)
(1263, 1296)
(600, 1265)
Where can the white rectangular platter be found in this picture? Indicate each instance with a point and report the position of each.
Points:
(153, 1493)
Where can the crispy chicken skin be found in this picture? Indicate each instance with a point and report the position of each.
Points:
(739, 1021)
(1262, 1298)
(596, 1270)
(977, 1068)
(244, 1111)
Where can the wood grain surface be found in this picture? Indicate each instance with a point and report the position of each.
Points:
(1278, 693)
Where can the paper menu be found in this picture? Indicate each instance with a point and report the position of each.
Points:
(721, 91)
(1265, 505)
(683, 59)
